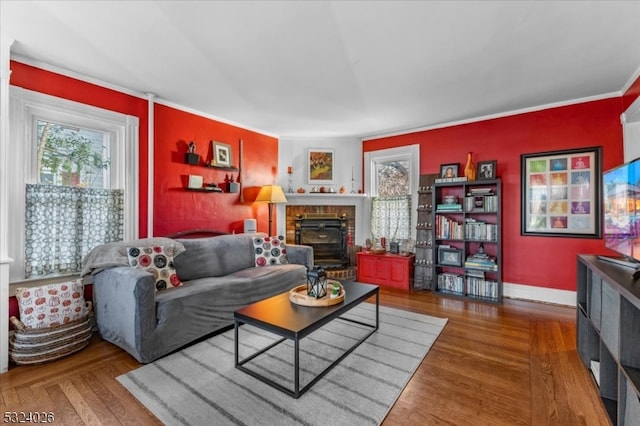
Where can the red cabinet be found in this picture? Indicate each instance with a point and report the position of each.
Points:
(388, 270)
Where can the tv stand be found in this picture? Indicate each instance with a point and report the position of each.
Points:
(608, 326)
(621, 260)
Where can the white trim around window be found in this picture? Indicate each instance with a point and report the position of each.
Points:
(371, 158)
(25, 107)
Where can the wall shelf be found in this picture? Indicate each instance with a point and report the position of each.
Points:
(223, 168)
(205, 190)
(323, 195)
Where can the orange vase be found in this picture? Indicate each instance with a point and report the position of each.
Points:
(470, 168)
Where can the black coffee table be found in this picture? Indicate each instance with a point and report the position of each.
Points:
(280, 316)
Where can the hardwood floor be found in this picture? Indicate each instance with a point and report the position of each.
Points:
(509, 364)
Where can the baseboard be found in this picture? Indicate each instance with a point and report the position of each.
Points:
(540, 294)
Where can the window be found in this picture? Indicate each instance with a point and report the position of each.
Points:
(71, 209)
(391, 208)
(392, 178)
(72, 156)
(71, 195)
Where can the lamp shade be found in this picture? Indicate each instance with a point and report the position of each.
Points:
(271, 194)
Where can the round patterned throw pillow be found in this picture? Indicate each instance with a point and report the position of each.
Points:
(157, 260)
(270, 250)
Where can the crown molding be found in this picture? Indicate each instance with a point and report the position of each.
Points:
(495, 116)
(82, 77)
(631, 80)
(213, 117)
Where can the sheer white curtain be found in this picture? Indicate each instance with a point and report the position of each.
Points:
(391, 217)
(64, 223)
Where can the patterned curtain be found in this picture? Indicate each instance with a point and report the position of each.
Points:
(391, 217)
(64, 223)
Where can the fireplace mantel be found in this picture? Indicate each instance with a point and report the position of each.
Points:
(324, 195)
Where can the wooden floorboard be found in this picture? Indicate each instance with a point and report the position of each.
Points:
(509, 364)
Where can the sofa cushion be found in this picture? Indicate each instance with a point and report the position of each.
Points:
(215, 256)
(51, 304)
(158, 260)
(270, 250)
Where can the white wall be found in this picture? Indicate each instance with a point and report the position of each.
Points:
(347, 155)
(348, 162)
(631, 130)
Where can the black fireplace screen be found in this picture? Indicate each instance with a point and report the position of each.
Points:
(327, 236)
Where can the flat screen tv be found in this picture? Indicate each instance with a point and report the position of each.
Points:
(621, 201)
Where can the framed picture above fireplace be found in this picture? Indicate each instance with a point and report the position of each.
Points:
(320, 166)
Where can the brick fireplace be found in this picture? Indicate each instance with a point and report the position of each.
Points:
(353, 206)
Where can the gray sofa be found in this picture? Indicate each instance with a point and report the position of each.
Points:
(219, 276)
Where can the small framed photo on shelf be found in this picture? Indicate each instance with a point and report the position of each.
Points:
(449, 171)
(195, 182)
(221, 154)
(487, 169)
(449, 256)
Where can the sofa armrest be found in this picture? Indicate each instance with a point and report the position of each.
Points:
(125, 307)
(300, 254)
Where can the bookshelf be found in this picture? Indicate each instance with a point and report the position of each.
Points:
(467, 253)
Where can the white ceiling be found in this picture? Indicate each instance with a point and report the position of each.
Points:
(338, 68)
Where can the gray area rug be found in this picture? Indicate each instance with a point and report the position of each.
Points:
(200, 385)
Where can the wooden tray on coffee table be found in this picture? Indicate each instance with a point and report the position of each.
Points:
(299, 296)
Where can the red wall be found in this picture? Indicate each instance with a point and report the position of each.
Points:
(536, 261)
(174, 208)
(177, 209)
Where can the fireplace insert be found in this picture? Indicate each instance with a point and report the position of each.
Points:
(327, 234)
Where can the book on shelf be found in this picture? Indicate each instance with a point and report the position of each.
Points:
(448, 229)
(481, 203)
(482, 288)
(455, 179)
(481, 262)
(475, 273)
(477, 259)
(480, 194)
(450, 283)
(478, 191)
(449, 207)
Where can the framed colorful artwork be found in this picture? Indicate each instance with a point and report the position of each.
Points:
(561, 193)
(320, 166)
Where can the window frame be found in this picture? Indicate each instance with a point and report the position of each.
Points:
(410, 153)
(26, 107)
